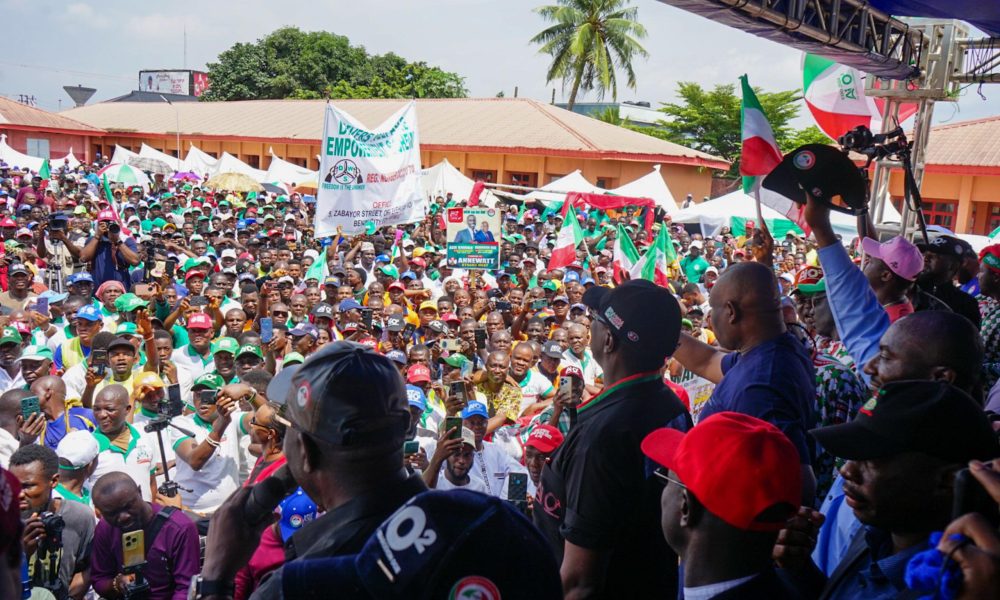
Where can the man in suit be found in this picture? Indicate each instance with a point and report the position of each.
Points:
(468, 235)
(725, 545)
(484, 235)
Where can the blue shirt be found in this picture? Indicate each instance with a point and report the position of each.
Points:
(774, 381)
(861, 321)
(110, 265)
(876, 574)
(837, 530)
(78, 418)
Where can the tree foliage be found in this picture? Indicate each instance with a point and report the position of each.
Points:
(588, 41)
(290, 63)
(709, 120)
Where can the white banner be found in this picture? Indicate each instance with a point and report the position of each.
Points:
(368, 176)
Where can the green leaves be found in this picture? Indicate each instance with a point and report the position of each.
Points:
(589, 41)
(290, 63)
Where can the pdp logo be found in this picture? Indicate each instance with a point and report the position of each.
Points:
(804, 160)
(474, 587)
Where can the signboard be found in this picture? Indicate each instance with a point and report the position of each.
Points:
(473, 236)
(368, 176)
(186, 83)
(165, 82)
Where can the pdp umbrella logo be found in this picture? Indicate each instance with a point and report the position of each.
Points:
(474, 587)
(804, 160)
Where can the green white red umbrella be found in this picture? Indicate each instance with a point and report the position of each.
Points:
(122, 173)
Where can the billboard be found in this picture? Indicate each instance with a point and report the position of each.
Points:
(473, 236)
(187, 83)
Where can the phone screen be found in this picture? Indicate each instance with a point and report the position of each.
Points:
(174, 404)
(456, 423)
(171, 267)
(207, 396)
(517, 487)
(42, 306)
(266, 330)
(411, 447)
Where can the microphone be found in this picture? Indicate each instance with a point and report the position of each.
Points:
(573, 377)
(265, 496)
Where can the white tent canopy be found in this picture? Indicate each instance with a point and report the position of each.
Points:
(282, 171)
(200, 163)
(230, 164)
(122, 155)
(444, 177)
(150, 152)
(719, 212)
(13, 158)
(555, 191)
(650, 186)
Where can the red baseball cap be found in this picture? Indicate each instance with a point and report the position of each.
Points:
(418, 373)
(105, 215)
(756, 463)
(419, 262)
(192, 273)
(200, 321)
(544, 438)
(450, 317)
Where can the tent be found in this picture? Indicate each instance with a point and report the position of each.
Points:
(122, 155)
(282, 171)
(230, 164)
(736, 208)
(13, 158)
(150, 152)
(200, 163)
(555, 191)
(444, 177)
(650, 186)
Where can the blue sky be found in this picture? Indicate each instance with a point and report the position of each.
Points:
(104, 45)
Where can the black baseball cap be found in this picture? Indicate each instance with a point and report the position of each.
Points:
(349, 396)
(946, 245)
(932, 417)
(640, 313)
(322, 309)
(552, 349)
(823, 172)
(394, 323)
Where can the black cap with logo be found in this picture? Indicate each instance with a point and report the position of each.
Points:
(639, 312)
(823, 172)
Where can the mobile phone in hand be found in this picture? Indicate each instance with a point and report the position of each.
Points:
(453, 423)
(411, 447)
(266, 330)
(207, 397)
(42, 306)
(481, 338)
(517, 487)
(30, 406)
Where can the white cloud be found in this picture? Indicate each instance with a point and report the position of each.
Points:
(81, 14)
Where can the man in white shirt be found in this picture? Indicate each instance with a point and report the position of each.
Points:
(208, 463)
(536, 390)
(10, 353)
(122, 447)
(196, 357)
(491, 464)
(449, 467)
(578, 355)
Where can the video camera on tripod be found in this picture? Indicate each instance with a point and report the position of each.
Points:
(167, 408)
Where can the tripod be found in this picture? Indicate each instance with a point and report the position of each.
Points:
(168, 488)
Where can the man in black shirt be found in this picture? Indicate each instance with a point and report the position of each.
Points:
(942, 260)
(348, 415)
(598, 503)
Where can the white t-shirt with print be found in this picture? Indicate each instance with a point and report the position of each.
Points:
(219, 477)
(533, 387)
(138, 462)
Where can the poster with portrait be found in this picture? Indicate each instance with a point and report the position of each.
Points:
(473, 236)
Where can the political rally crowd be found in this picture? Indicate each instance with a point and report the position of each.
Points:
(199, 398)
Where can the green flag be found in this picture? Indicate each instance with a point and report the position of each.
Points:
(45, 172)
(317, 270)
(107, 188)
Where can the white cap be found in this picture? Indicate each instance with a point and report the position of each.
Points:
(788, 277)
(367, 247)
(468, 437)
(696, 244)
(79, 448)
(312, 253)
(228, 253)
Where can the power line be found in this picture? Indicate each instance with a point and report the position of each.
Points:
(67, 71)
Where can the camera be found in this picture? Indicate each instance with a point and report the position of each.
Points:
(115, 228)
(874, 145)
(54, 526)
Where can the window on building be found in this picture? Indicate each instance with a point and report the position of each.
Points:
(487, 176)
(604, 183)
(994, 219)
(253, 160)
(524, 179)
(553, 177)
(941, 213)
(38, 147)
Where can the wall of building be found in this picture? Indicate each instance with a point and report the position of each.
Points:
(963, 203)
(60, 144)
(516, 169)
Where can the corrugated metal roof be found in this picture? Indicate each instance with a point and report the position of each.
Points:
(14, 113)
(472, 124)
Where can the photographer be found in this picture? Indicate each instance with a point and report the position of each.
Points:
(171, 557)
(109, 253)
(57, 533)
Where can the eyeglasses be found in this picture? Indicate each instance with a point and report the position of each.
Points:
(664, 474)
(254, 423)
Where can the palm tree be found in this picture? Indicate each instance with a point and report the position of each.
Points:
(589, 41)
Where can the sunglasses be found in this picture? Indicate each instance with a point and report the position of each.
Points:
(663, 474)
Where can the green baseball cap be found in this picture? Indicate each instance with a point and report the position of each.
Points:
(455, 360)
(293, 358)
(226, 344)
(211, 381)
(551, 286)
(250, 349)
(390, 270)
(129, 302)
(127, 329)
(159, 222)
(10, 335)
(35, 352)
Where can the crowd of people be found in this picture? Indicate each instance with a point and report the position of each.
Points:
(199, 396)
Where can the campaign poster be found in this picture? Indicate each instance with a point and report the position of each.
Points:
(165, 82)
(369, 176)
(473, 236)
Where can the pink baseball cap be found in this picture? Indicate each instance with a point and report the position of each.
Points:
(105, 215)
(899, 254)
(200, 321)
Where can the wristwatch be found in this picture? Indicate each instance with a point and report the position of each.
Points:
(201, 588)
